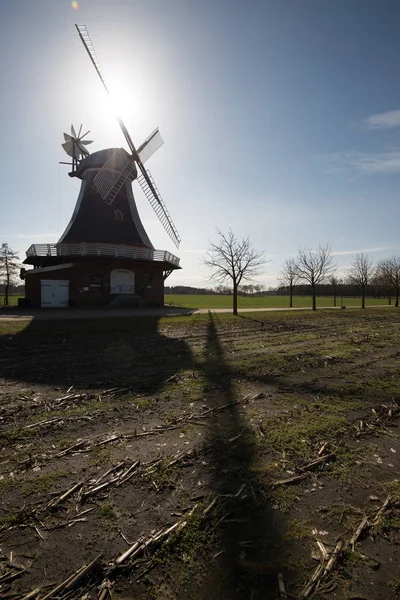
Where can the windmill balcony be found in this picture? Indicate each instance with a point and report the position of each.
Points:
(105, 250)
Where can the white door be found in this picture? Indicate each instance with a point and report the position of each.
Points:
(122, 281)
(55, 293)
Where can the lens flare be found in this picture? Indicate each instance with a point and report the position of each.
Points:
(75, 5)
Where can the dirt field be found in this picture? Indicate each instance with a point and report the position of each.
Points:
(204, 457)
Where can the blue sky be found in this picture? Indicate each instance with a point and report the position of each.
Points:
(281, 119)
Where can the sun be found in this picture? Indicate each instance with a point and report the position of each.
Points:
(118, 102)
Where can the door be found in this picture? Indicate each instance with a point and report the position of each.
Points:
(54, 293)
(122, 281)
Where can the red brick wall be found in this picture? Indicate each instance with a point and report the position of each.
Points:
(80, 276)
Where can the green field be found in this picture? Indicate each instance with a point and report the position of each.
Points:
(214, 301)
(12, 300)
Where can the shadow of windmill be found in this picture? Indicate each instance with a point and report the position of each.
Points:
(93, 353)
(249, 530)
(136, 354)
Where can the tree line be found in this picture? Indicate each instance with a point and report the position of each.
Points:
(217, 290)
(316, 266)
(232, 260)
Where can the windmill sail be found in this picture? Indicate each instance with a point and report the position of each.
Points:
(113, 174)
(153, 196)
(74, 145)
(150, 145)
(69, 148)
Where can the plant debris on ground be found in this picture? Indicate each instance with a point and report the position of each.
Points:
(201, 457)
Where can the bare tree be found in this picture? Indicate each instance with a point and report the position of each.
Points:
(361, 273)
(334, 281)
(388, 274)
(315, 266)
(9, 265)
(289, 276)
(233, 260)
(395, 263)
(384, 277)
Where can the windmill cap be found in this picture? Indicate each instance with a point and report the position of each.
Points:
(98, 159)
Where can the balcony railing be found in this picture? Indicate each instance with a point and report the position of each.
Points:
(110, 250)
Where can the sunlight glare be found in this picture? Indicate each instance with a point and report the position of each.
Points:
(125, 103)
(104, 110)
(133, 97)
(120, 105)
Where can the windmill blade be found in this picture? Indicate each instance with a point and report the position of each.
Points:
(74, 146)
(72, 150)
(81, 148)
(113, 174)
(69, 148)
(152, 194)
(77, 152)
(87, 42)
(150, 145)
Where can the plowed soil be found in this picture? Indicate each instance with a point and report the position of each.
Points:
(201, 457)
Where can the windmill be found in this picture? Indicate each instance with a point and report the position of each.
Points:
(104, 256)
(120, 167)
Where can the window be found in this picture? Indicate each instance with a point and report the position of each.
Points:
(95, 281)
(118, 215)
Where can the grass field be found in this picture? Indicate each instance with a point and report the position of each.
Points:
(213, 301)
(223, 452)
(12, 300)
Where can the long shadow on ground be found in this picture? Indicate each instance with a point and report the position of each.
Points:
(94, 353)
(250, 534)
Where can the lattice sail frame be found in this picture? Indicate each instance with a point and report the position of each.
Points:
(113, 174)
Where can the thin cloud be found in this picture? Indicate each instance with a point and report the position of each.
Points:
(363, 251)
(381, 162)
(386, 120)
